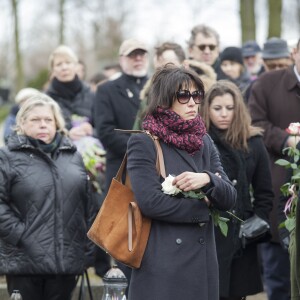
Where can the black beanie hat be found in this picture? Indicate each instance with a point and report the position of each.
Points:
(232, 54)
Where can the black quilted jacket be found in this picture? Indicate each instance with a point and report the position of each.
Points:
(45, 209)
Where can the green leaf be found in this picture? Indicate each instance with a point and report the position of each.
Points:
(290, 224)
(281, 225)
(283, 163)
(297, 176)
(294, 166)
(223, 227)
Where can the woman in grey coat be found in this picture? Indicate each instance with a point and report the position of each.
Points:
(180, 260)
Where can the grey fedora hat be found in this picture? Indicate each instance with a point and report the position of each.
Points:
(275, 48)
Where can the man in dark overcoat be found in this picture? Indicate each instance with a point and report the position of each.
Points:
(275, 103)
(117, 103)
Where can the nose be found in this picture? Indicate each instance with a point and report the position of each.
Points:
(207, 50)
(42, 123)
(191, 103)
(139, 56)
(224, 112)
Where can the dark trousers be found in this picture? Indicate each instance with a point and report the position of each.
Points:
(39, 287)
(276, 271)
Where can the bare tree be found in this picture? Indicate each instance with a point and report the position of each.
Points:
(62, 21)
(18, 55)
(298, 14)
(275, 12)
(247, 16)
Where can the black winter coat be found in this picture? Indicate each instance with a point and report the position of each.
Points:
(81, 105)
(240, 273)
(45, 209)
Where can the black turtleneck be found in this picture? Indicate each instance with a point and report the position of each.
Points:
(68, 89)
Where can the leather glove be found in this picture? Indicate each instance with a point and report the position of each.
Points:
(286, 242)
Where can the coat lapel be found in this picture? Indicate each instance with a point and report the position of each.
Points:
(128, 93)
(188, 158)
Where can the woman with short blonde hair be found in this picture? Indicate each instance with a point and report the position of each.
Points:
(45, 206)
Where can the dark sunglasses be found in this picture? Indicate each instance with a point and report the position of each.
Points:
(202, 47)
(184, 96)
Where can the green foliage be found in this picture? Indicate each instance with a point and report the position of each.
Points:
(218, 220)
(291, 189)
(4, 110)
(38, 82)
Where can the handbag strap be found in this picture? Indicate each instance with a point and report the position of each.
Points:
(160, 167)
(160, 164)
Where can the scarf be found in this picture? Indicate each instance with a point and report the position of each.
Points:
(47, 148)
(68, 89)
(173, 130)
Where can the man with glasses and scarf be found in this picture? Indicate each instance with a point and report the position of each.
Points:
(204, 46)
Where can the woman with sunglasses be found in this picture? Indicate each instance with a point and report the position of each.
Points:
(180, 260)
(245, 161)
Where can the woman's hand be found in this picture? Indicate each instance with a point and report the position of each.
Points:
(84, 129)
(189, 181)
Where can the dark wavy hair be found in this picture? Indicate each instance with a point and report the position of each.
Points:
(166, 82)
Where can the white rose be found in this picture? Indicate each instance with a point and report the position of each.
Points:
(168, 188)
(294, 128)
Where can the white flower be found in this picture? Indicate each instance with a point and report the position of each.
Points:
(168, 188)
(294, 128)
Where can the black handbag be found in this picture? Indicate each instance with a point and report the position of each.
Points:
(254, 230)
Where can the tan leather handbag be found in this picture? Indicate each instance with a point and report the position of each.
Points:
(119, 227)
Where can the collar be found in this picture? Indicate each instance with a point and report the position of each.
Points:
(296, 73)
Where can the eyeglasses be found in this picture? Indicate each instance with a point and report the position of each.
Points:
(202, 47)
(184, 96)
(273, 66)
(136, 53)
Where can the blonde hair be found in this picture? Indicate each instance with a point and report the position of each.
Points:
(40, 100)
(25, 94)
(64, 51)
(240, 129)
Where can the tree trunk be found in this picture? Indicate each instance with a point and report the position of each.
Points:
(298, 14)
(62, 21)
(247, 16)
(275, 10)
(18, 57)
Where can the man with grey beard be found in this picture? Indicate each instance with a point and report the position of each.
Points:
(116, 105)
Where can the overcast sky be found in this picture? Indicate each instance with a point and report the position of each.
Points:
(173, 20)
(161, 20)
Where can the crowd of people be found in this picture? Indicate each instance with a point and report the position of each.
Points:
(221, 117)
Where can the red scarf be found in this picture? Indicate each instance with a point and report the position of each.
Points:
(173, 130)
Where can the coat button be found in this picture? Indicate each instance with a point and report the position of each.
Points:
(201, 241)
(178, 241)
(234, 182)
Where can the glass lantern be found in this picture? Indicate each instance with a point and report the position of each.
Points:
(115, 284)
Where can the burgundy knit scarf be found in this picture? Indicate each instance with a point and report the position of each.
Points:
(173, 130)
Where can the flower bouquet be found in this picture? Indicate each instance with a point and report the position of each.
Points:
(93, 154)
(170, 189)
(291, 189)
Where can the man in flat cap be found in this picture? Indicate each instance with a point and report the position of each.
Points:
(117, 103)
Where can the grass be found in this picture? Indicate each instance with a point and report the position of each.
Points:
(4, 110)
